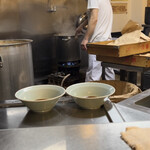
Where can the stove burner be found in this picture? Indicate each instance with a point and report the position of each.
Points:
(69, 64)
(70, 67)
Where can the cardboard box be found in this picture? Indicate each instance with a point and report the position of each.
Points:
(102, 49)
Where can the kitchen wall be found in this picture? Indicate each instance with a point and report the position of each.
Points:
(135, 12)
(148, 3)
(34, 16)
(9, 16)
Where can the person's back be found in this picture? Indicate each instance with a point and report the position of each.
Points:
(103, 27)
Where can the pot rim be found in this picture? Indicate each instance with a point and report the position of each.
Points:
(12, 42)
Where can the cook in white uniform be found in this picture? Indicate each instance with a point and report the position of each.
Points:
(99, 29)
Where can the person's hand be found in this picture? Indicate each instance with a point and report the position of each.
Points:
(83, 44)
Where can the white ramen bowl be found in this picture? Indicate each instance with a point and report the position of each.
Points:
(90, 95)
(40, 98)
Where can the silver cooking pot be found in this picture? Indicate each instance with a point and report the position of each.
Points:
(68, 48)
(16, 69)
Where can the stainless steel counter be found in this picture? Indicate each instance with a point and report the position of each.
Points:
(67, 126)
(66, 112)
(72, 137)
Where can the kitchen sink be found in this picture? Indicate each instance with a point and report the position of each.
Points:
(145, 102)
(139, 102)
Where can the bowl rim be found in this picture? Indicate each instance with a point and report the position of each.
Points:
(36, 86)
(94, 83)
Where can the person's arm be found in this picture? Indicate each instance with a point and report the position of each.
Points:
(91, 26)
(80, 27)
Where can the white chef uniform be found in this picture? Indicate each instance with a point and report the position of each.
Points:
(102, 32)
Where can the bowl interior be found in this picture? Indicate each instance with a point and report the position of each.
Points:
(40, 92)
(90, 90)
